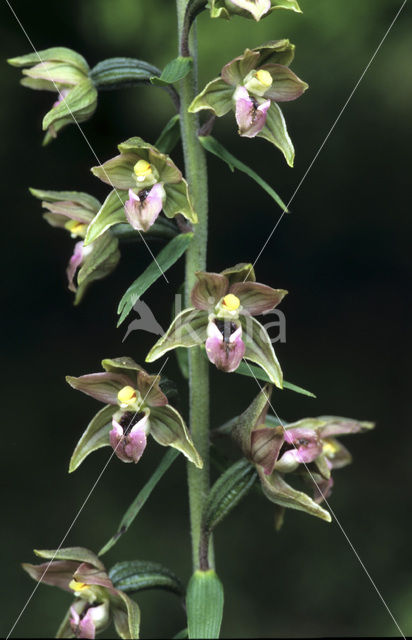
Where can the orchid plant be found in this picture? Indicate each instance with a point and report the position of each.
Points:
(150, 197)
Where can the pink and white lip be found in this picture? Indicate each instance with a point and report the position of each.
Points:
(224, 354)
(143, 208)
(250, 115)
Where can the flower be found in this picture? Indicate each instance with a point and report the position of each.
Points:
(66, 72)
(222, 318)
(135, 407)
(151, 180)
(80, 572)
(307, 447)
(256, 9)
(74, 211)
(251, 85)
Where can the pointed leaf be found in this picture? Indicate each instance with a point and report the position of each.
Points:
(165, 259)
(276, 132)
(138, 575)
(259, 349)
(178, 201)
(188, 329)
(170, 135)
(95, 436)
(140, 499)
(110, 213)
(256, 372)
(168, 429)
(227, 492)
(279, 492)
(174, 71)
(213, 146)
(204, 605)
(216, 96)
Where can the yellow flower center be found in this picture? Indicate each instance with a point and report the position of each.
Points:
(142, 170)
(231, 302)
(329, 448)
(264, 78)
(77, 586)
(76, 228)
(127, 395)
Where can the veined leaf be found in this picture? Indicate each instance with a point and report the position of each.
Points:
(213, 146)
(204, 604)
(140, 499)
(174, 71)
(165, 259)
(256, 372)
(138, 575)
(170, 136)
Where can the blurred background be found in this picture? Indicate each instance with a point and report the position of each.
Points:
(344, 256)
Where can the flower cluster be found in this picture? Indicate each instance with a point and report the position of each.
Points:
(74, 211)
(307, 448)
(63, 71)
(222, 319)
(255, 9)
(135, 407)
(80, 572)
(252, 85)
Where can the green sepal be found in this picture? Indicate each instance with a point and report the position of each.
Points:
(276, 132)
(117, 172)
(279, 492)
(76, 554)
(216, 96)
(258, 349)
(98, 263)
(141, 498)
(65, 628)
(213, 146)
(110, 213)
(139, 575)
(170, 135)
(58, 54)
(79, 197)
(188, 329)
(78, 106)
(168, 429)
(204, 605)
(175, 70)
(255, 414)
(178, 201)
(126, 619)
(225, 9)
(181, 635)
(95, 437)
(165, 259)
(167, 170)
(227, 492)
(241, 272)
(56, 72)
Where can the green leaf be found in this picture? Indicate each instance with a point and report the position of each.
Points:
(165, 259)
(256, 372)
(213, 146)
(138, 575)
(110, 213)
(170, 136)
(95, 437)
(216, 96)
(174, 71)
(227, 492)
(204, 605)
(140, 499)
(276, 132)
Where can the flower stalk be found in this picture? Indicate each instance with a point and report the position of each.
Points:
(196, 175)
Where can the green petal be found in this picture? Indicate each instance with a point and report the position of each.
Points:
(188, 329)
(216, 96)
(168, 429)
(259, 349)
(95, 437)
(79, 105)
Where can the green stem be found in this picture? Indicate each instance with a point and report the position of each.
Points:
(196, 175)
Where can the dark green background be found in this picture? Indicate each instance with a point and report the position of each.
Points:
(344, 256)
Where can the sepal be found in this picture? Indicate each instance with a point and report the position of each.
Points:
(188, 329)
(168, 429)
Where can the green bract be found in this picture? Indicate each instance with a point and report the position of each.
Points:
(67, 73)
